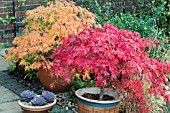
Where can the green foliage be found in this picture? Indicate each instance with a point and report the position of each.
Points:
(145, 26)
(8, 19)
(44, 2)
(1, 19)
(59, 111)
(79, 83)
(158, 103)
(31, 74)
(2, 46)
(88, 4)
(104, 13)
(159, 10)
(22, 1)
(105, 10)
(12, 67)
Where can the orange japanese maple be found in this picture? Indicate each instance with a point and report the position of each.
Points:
(45, 26)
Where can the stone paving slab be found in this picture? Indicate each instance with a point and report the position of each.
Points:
(10, 107)
(6, 95)
(3, 64)
(4, 76)
(7, 81)
(12, 84)
(17, 90)
(2, 51)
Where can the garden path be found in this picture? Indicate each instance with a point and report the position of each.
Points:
(3, 64)
(8, 99)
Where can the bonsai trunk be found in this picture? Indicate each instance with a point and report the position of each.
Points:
(101, 92)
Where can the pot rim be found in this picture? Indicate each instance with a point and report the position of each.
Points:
(37, 108)
(97, 101)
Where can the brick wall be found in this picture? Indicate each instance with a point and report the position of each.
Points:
(7, 31)
(6, 8)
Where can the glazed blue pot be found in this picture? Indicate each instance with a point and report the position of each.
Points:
(86, 105)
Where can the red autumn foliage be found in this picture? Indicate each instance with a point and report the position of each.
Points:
(116, 57)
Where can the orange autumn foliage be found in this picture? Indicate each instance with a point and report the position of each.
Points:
(45, 27)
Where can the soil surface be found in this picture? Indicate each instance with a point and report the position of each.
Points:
(96, 96)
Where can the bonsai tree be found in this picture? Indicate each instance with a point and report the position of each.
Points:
(45, 27)
(116, 58)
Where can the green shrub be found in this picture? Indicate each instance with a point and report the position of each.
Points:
(80, 83)
(106, 10)
(145, 26)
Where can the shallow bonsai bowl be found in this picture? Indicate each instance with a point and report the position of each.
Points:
(37, 109)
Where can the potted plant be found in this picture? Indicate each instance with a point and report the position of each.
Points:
(30, 102)
(45, 27)
(118, 60)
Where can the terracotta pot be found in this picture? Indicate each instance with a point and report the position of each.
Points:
(47, 79)
(36, 109)
(96, 106)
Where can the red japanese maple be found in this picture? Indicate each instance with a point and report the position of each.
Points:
(116, 57)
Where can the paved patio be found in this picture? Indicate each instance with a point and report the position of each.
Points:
(8, 99)
(3, 64)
